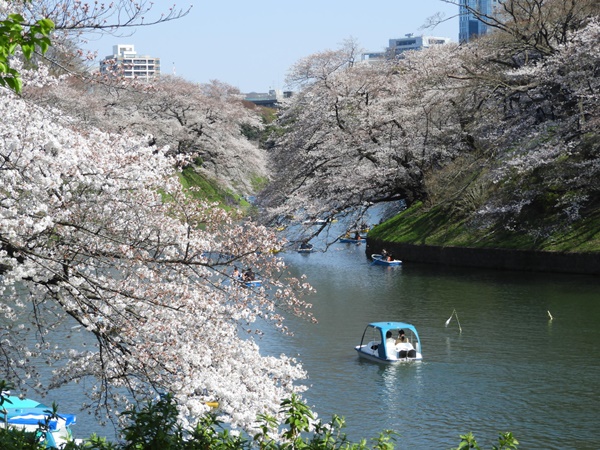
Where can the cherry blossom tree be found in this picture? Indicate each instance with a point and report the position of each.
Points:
(202, 122)
(550, 118)
(359, 134)
(205, 122)
(73, 15)
(531, 141)
(96, 233)
(445, 124)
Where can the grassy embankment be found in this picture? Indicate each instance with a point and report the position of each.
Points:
(209, 190)
(422, 225)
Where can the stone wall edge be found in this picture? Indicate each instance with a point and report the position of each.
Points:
(522, 260)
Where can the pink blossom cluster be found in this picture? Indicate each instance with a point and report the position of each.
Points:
(97, 235)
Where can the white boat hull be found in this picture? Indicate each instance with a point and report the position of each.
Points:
(372, 355)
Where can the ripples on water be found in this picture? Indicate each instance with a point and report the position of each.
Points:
(511, 369)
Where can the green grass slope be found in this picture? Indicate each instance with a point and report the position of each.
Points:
(437, 226)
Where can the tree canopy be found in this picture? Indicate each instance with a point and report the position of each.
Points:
(125, 278)
(202, 124)
(96, 229)
(499, 130)
(98, 235)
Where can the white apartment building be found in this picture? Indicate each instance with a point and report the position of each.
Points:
(409, 42)
(127, 63)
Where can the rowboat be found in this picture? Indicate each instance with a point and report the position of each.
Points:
(351, 241)
(31, 416)
(390, 343)
(315, 222)
(353, 237)
(305, 248)
(379, 260)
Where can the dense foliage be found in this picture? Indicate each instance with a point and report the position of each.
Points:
(16, 35)
(96, 229)
(109, 271)
(155, 426)
(501, 134)
(203, 124)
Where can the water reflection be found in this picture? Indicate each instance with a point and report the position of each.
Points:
(510, 369)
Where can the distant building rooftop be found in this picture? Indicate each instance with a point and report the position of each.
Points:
(125, 62)
(270, 99)
(399, 45)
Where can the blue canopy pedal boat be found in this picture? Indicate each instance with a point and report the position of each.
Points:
(390, 343)
(26, 414)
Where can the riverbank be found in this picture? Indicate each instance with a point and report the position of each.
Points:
(433, 235)
(491, 258)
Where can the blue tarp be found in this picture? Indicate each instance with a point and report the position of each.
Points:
(36, 417)
(25, 411)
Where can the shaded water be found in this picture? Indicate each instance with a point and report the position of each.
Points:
(510, 369)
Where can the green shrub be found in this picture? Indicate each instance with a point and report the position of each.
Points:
(155, 426)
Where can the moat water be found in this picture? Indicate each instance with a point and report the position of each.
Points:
(508, 367)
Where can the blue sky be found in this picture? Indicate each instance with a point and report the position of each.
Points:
(252, 44)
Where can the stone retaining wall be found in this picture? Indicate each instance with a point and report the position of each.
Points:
(583, 263)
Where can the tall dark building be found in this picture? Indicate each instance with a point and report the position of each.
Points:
(470, 11)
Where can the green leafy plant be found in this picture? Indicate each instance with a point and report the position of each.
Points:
(14, 34)
(506, 441)
(155, 426)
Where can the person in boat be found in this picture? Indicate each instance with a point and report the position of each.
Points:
(357, 236)
(402, 342)
(401, 336)
(236, 273)
(249, 275)
(385, 255)
(305, 245)
(390, 342)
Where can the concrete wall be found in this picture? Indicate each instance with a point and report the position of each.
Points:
(584, 263)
